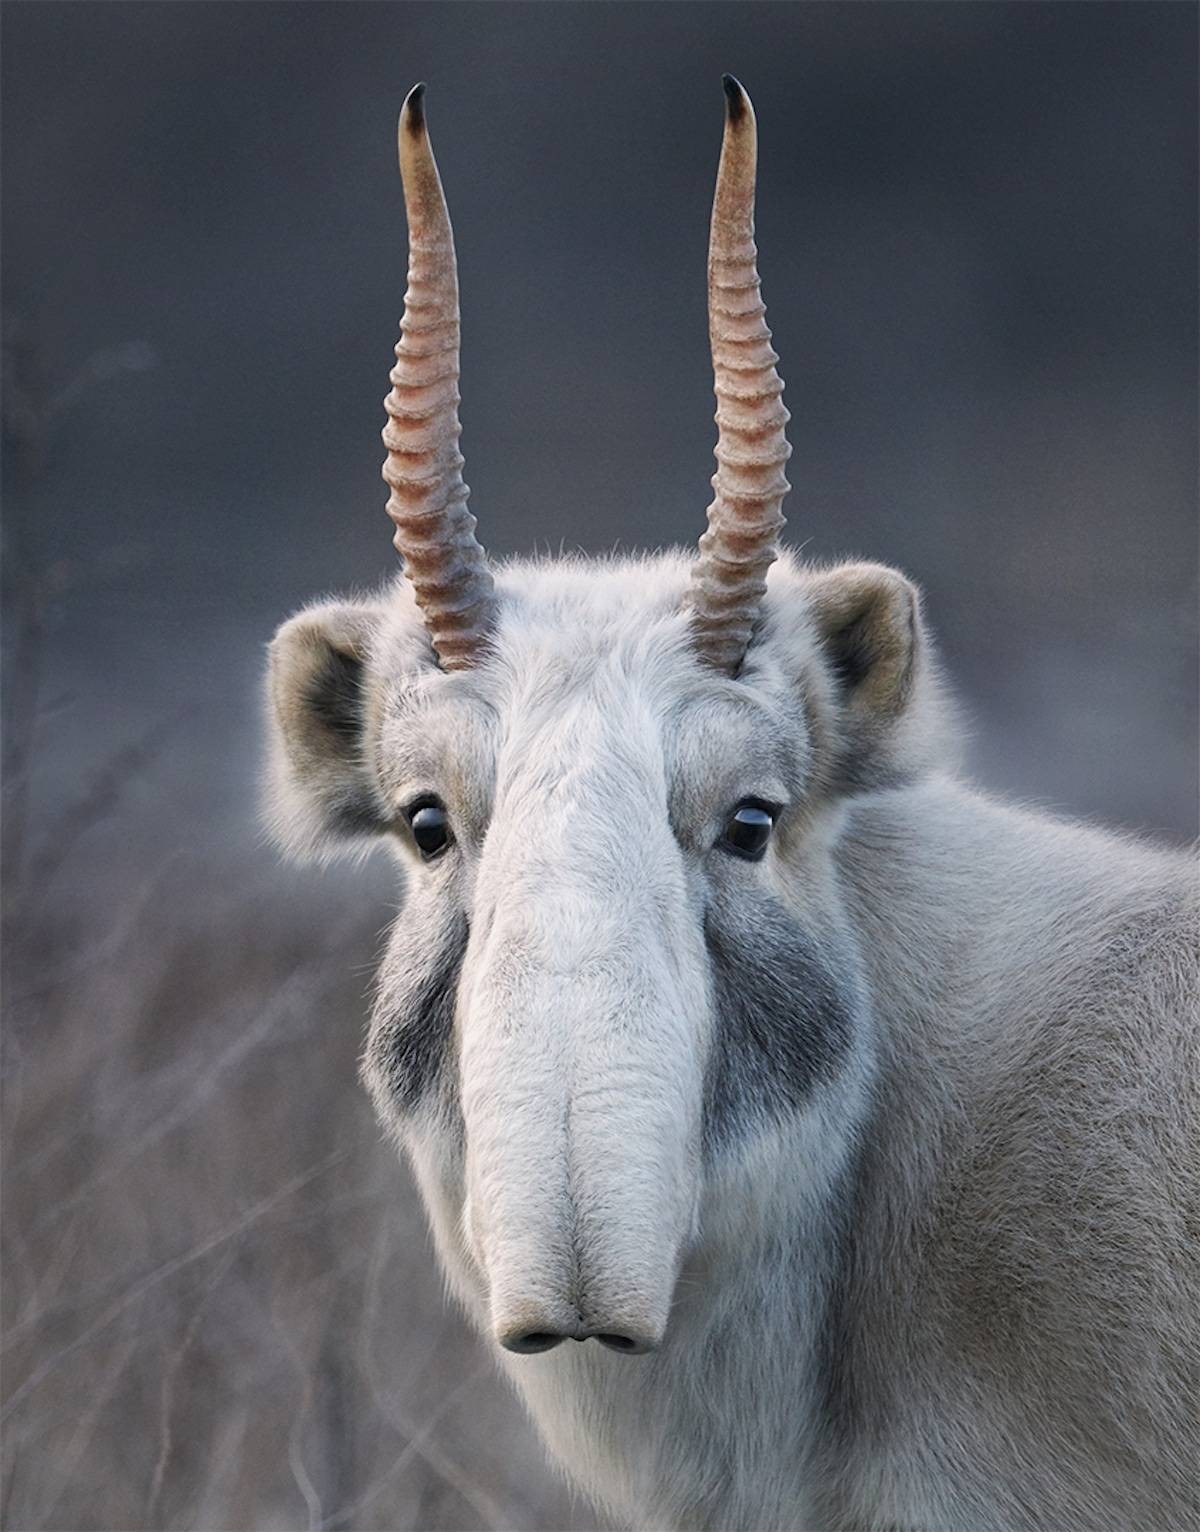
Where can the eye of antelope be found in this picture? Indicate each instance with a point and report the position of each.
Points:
(430, 826)
(748, 829)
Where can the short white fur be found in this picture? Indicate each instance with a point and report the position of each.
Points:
(953, 1286)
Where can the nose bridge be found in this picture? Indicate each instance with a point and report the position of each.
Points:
(580, 913)
(580, 1063)
(579, 833)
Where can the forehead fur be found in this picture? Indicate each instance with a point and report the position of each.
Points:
(585, 642)
(566, 618)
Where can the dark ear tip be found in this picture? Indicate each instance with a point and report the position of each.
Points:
(735, 98)
(414, 109)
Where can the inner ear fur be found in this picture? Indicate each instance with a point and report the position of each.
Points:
(321, 790)
(867, 620)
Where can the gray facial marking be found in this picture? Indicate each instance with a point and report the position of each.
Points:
(784, 1022)
(412, 1029)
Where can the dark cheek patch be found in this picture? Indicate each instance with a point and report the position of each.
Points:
(785, 1020)
(413, 1025)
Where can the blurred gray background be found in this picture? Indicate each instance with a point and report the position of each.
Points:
(978, 236)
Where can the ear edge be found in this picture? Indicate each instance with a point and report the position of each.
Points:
(867, 618)
(891, 716)
(320, 796)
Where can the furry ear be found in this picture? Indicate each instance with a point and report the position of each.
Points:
(868, 625)
(321, 791)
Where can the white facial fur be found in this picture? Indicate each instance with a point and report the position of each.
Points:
(759, 1117)
(588, 772)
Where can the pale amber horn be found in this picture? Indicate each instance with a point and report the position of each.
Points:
(745, 517)
(435, 532)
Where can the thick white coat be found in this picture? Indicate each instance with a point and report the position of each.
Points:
(946, 1277)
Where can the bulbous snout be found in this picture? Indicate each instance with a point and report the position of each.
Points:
(584, 1017)
(564, 1264)
(537, 1303)
(581, 1095)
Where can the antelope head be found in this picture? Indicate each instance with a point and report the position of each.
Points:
(620, 968)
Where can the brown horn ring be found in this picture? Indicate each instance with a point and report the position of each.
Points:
(745, 518)
(435, 532)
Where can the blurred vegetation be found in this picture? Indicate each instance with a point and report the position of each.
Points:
(220, 1306)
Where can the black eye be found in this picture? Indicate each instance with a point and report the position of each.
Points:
(747, 831)
(430, 828)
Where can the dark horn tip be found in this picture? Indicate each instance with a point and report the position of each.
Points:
(735, 98)
(414, 109)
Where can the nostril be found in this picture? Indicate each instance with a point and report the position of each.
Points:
(626, 1343)
(529, 1342)
(537, 1332)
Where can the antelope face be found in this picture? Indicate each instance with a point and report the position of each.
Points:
(619, 964)
(613, 787)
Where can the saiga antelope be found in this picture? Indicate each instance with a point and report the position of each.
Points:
(847, 1116)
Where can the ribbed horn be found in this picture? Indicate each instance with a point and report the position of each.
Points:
(434, 530)
(745, 517)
